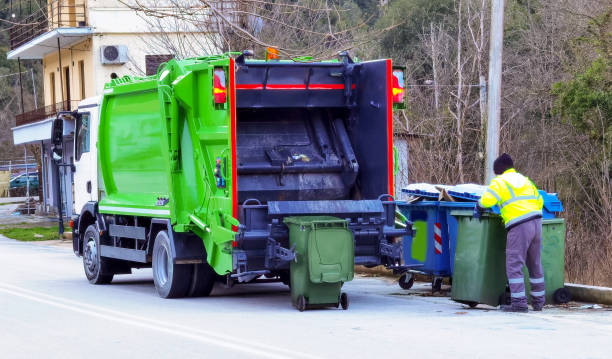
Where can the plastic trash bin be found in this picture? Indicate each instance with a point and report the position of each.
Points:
(552, 205)
(480, 269)
(553, 262)
(429, 247)
(325, 257)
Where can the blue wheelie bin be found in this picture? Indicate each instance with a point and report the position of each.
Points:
(429, 247)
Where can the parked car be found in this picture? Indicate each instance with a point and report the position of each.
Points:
(20, 181)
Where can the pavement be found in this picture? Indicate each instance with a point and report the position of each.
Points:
(48, 309)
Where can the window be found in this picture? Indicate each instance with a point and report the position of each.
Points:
(152, 62)
(82, 136)
(52, 87)
(82, 78)
(67, 86)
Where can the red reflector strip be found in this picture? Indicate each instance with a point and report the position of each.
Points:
(285, 87)
(326, 87)
(249, 87)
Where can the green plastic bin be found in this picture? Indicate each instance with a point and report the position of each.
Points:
(553, 262)
(480, 267)
(325, 260)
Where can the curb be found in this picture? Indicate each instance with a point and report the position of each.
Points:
(589, 293)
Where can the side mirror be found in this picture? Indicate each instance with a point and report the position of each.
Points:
(57, 135)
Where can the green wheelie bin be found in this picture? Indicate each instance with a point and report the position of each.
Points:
(553, 262)
(480, 265)
(325, 259)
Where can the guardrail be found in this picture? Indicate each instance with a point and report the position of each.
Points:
(57, 14)
(42, 113)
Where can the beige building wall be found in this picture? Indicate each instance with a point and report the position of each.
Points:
(72, 58)
(113, 24)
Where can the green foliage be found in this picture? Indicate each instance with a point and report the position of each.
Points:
(413, 18)
(586, 99)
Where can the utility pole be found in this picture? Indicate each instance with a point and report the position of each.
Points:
(496, 46)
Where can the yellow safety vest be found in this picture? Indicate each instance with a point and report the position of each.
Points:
(516, 195)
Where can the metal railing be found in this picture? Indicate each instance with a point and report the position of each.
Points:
(42, 113)
(57, 14)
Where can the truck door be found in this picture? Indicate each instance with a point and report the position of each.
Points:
(374, 130)
(85, 157)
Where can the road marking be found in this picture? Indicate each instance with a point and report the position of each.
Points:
(222, 340)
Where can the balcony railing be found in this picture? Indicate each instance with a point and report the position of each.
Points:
(56, 14)
(42, 113)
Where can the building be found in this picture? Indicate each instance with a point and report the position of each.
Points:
(81, 44)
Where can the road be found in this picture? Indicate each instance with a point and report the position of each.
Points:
(49, 310)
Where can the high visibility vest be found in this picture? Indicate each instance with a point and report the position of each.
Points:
(517, 197)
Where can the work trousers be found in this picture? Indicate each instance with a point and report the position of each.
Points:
(524, 247)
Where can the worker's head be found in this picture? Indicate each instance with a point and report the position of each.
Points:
(502, 164)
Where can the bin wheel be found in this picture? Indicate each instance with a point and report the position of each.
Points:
(505, 299)
(344, 301)
(469, 303)
(301, 303)
(436, 284)
(406, 282)
(561, 296)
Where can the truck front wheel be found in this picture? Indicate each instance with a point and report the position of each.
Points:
(97, 269)
(171, 280)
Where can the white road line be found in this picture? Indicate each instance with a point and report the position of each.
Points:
(216, 338)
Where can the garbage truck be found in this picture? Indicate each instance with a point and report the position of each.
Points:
(192, 171)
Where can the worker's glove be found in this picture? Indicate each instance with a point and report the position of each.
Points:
(477, 211)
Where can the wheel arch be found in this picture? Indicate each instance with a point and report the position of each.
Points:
(89, 215)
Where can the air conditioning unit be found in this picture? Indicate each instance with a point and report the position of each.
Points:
(113, 54)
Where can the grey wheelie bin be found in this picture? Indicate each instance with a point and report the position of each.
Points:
(325, 260)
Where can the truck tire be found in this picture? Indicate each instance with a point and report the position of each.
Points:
(171, 280)
(97, 269)
(204, 278)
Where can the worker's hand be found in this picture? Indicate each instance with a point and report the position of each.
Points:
(477, 211)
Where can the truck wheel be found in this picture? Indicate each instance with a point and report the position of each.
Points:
(203, 280)
(171, 280)
(97, 269)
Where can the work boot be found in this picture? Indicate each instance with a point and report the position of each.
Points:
(513, 308)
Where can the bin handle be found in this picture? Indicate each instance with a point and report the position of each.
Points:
(255, 200)
(386, 196)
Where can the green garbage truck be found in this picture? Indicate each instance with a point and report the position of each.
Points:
(192, 171)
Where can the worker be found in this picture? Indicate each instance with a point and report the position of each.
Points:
(521, 209)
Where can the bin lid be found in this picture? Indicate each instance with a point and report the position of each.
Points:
(308, 221)
(553, 221)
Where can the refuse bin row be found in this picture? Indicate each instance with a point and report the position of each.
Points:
(450, 243)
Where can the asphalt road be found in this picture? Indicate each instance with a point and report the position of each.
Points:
(49, 310)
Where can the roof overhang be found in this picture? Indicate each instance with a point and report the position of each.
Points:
(38, 131)
(46, 43)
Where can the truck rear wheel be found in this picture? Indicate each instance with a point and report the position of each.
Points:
(97, 269)
(203, 280)
(171, 280)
